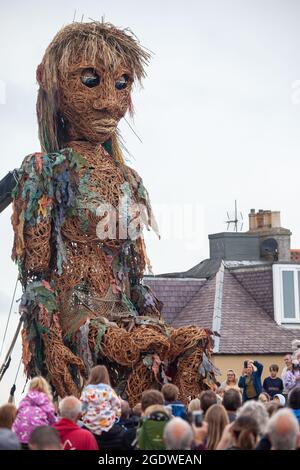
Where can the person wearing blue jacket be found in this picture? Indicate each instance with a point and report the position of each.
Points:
(250, 380)
(177, 408)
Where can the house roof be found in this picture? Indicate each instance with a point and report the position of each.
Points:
(203, 270)
(199, 310)
(246, 327)
(238, 305)
(174, 293)
(209, 267)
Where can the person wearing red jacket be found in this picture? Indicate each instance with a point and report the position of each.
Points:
(72, 436)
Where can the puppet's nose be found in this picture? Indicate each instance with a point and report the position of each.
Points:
(104, 104)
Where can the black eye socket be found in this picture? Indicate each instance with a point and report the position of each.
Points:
(90, 78)
(122, 82)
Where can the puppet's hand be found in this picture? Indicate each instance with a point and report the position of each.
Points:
(59, 358)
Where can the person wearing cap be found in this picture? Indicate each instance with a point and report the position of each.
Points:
(280, 398)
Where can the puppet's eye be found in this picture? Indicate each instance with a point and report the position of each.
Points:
(122, 82)
(90, 78)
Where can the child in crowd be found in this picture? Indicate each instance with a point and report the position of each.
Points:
(273, 385)
(101, 406)
(36, 409)
(170, 393)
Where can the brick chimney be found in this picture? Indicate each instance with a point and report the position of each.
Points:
(267, 225)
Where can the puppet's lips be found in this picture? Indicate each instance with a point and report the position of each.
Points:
(105, 125)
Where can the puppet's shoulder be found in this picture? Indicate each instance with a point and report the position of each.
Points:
(39, 163)
(39, 171)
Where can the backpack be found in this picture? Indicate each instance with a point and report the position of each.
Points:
(150, 433)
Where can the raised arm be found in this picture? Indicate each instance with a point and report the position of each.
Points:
(259, 367)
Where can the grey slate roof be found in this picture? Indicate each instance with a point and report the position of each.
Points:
(247, 325)
(246, 328)
(174, 293)
(203, 270)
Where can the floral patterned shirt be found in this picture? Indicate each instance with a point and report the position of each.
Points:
(101, 406)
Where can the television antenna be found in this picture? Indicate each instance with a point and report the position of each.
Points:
(236, 221)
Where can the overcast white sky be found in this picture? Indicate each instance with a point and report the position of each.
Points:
(218, 116)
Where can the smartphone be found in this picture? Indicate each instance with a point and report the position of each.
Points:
(197, 418)
(245, 364)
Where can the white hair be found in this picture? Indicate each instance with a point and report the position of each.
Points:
(70, 408)
(283, 430)
(257, 410)
(178, 435)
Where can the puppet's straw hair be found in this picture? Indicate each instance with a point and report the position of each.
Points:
(75, 43)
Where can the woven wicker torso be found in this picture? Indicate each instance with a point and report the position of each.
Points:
(90, 284)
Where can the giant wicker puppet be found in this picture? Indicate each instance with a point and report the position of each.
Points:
(77, 217)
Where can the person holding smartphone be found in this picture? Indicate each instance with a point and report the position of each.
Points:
(250, 380)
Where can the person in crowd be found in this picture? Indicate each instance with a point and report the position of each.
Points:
(101, 406)
(288, 364)
(35, 409)
(8, 439)
(294, 402)
(277, 403)
(130, 423)
(216, 419)
(291, 378)
(158, 409)
(279, 398)
(272, 407)
(273, 384)
(258, 411)
(170, 393)
(283, 430)
(45, 438)
(149, 435)
(151, 397)
(122, 434)
(245, 433)
(113, 439)
(200, 435)
(242, 434)
(125, 411)
(178, 435)
(250, 380)
(264, 397)
(232, 401)
(207, 399)
(137, 410)
(194, 405)
(8, 415)
(220, 394)
(72, 436)
(127, 418)
(288, 361)
(231, 381)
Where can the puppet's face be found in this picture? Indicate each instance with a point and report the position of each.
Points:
(93, 99)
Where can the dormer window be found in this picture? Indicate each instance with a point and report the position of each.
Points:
(286, 291)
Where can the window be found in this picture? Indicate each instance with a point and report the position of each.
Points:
(286, 291)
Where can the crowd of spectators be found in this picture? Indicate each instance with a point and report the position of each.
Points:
(239, 414)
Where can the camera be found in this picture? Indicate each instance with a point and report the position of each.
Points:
(296, 365)
(197, 418)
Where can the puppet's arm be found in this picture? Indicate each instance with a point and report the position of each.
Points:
(31, 218)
